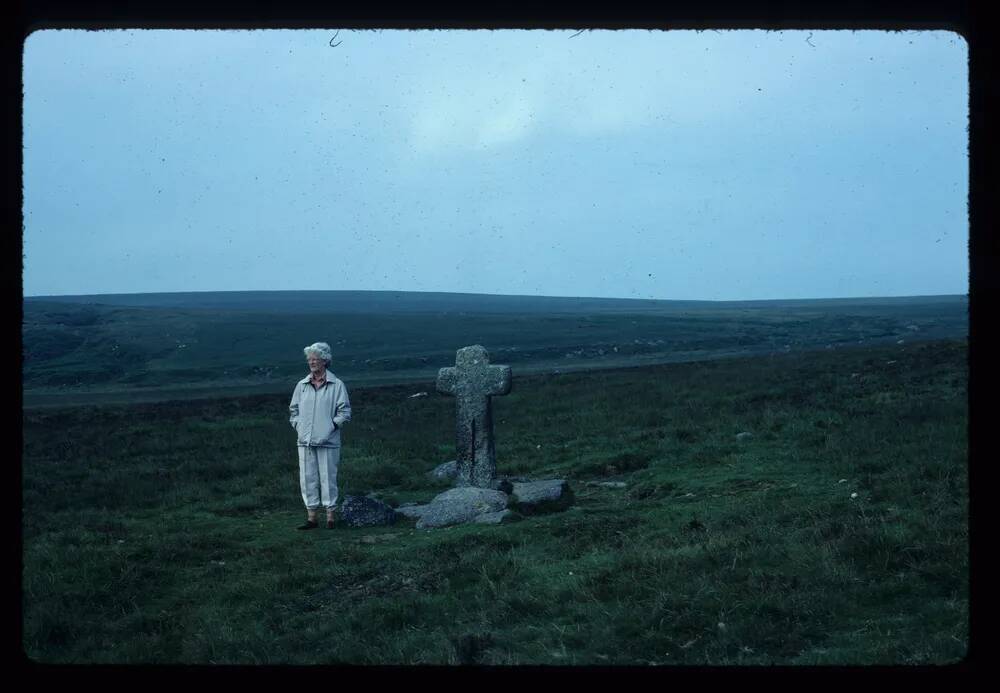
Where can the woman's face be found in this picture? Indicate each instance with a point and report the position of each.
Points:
(316, 364)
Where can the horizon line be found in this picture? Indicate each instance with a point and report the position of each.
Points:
(469, 293)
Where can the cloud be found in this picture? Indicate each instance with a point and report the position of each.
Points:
(541, 84)
(466, 115)
(513, 122)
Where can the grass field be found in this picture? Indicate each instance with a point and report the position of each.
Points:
(837, 534)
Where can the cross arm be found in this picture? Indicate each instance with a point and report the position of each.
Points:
(447, 380)
(500, 383)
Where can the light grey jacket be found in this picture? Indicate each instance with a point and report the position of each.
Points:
(317, 415)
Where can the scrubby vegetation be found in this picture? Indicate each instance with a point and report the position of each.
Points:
(72, 350)
(837, 533)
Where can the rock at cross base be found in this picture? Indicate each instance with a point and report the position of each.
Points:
(472, 380)
(500, 517)
(444, 472)
(460, 505)
(536, 497)
(363, 511)
(412, 511)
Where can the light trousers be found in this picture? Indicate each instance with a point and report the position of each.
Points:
(318, 476)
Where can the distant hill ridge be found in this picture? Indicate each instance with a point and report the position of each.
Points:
(118, 343)
(437, 302)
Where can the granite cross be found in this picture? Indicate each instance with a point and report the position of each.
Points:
(473, 381)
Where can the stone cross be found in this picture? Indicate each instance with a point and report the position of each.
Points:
(473, 381)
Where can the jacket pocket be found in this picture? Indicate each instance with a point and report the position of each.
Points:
(332, 440)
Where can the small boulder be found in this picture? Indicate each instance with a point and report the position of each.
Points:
(412, 511)
(446, 514)
(364, 511)
(444, 472)
(745, 435)
(459, 505)
(485, 497)
(497, 518)
(536, 497)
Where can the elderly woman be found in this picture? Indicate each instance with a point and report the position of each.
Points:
(319, 408)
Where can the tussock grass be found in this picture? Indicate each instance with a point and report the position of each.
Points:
(164, 532)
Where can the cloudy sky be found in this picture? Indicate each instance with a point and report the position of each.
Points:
(638, 164)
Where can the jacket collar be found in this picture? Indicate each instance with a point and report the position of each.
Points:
(330, 377)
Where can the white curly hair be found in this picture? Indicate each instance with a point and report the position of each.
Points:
(321, 349)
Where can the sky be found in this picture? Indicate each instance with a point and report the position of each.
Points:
(694, 165)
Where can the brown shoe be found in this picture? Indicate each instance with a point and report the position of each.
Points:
(329, 523)
(309, 524)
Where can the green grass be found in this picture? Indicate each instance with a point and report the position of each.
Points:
(164, 532)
